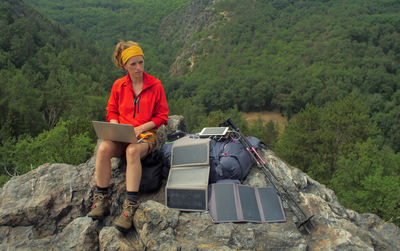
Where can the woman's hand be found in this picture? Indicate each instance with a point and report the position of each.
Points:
(138, 130)
(114, 121)
(145, 127)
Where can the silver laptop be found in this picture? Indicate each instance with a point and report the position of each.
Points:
(115, 132)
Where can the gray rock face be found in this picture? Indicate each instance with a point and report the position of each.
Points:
(45, 209)
(194, 17)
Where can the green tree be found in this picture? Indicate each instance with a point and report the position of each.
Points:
(22, 105)
(266, 132)
(299, 143)
(68, 142)
(319, 136)
(215, 118)
(368, 181)
(193, 113)
(388, 117)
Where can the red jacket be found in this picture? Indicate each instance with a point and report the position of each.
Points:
(150, 105)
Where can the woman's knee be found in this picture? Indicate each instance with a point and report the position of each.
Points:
(106, 149)
(133, 150)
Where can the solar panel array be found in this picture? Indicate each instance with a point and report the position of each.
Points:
(231, 202)
(187, 185)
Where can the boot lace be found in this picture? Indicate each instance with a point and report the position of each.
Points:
(130, 206)
(97, 197)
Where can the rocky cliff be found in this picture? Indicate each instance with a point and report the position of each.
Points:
(181, 27)
(45, 210)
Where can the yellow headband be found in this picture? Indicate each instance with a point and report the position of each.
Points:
(131, 52)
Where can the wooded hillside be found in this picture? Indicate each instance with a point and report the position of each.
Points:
(333, 63)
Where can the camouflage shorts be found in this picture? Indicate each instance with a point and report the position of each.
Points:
(150, 139)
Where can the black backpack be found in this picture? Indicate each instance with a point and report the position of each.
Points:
(152, 167)
(228, 160)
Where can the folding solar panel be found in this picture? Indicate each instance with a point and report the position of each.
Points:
(226, 209)
(190, 152)
(248, 204)
(187, 188)
(187, 184)
(239, 203)
(193, 176)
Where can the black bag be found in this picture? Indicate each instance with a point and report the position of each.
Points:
(228, 160)
(165, 152)
(152, 167)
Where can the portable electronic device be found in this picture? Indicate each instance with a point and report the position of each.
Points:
(115, 132)
(213, 131)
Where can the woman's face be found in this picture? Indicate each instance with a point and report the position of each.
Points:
(135, 66)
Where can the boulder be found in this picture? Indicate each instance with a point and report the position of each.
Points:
(45, 209)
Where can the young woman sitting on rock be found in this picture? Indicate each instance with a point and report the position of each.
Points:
(137, 99)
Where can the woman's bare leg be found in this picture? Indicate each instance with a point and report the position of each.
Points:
(134, 153)
(105, 152)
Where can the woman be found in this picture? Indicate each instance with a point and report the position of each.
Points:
(137, 99)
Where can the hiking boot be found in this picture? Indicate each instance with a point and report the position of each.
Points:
(100, 207)
(125, 221)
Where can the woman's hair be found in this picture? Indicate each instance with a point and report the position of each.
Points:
(122, 45)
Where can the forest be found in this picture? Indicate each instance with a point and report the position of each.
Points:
(333, 64)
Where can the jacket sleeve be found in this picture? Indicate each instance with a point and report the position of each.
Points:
(160, 114)
(112, 105)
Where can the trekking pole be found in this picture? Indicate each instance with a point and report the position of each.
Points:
(304, 222)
